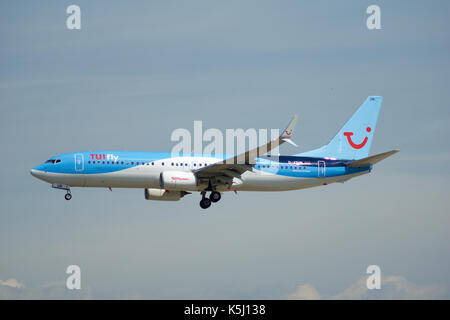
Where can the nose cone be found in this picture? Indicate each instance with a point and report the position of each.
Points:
(33, 172)
(38, 173)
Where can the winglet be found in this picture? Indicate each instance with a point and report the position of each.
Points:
(249, 156)
(287, 133)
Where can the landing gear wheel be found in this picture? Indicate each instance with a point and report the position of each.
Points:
(215, 196)
(68, 196)
(205, 203)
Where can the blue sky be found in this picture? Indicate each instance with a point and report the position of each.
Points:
(134, 73)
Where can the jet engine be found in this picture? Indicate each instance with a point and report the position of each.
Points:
(178, 180)
(164, 195)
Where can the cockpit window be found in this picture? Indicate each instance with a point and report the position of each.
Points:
(53, 161)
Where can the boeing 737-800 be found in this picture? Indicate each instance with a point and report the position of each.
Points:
(169, 177)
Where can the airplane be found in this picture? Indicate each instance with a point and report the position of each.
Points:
(169, 177)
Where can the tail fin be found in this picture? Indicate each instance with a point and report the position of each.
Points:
(353, 141)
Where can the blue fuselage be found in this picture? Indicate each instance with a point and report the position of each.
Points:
(142, 169)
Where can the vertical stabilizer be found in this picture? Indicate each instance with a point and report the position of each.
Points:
(353, 141)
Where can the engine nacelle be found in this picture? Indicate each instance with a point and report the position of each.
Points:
(178, 180)
(163, 195)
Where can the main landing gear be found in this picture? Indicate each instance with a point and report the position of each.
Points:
(205, 203)
(215, 196)
(68, 195)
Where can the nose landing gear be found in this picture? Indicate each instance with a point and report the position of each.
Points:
(68, 195)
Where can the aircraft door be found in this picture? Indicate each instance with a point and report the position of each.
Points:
(79, 162)
(321, 168)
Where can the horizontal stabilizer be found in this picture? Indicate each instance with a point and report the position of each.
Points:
(365, 162)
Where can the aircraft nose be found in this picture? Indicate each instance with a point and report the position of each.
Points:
(38, 172)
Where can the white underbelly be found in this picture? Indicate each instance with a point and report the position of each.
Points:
(135, 178)
(118, 179)
(273, 182)
(255, 181)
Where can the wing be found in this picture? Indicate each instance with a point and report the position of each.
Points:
(234, 166)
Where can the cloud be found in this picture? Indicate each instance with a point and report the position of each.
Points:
(13, 283)
(304, 292)
(392, 287)
(12, 289)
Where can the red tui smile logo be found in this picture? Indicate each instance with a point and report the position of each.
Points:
(354, 145)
